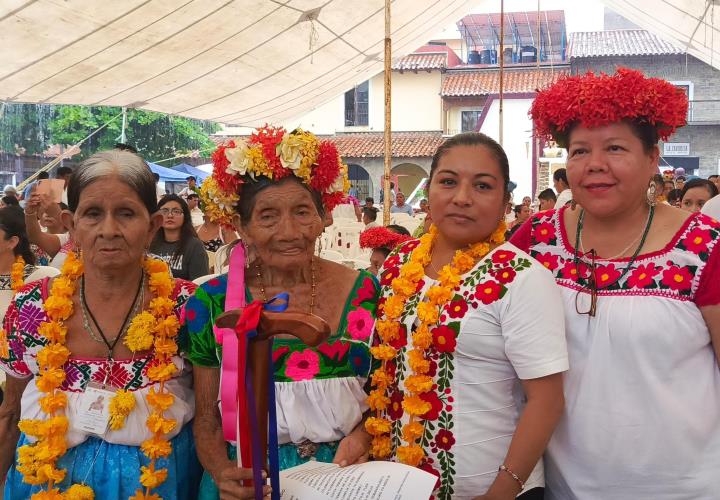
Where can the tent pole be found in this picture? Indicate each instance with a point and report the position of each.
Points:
(124, 125)
(387, 135)
(502, 66)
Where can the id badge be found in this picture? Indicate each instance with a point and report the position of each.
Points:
(93, 415)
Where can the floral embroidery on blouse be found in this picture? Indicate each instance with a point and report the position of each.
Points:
(345, 354)
(485, 284)
(26, 313)
(672, 272)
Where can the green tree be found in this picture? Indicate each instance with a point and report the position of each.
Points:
(25, 127)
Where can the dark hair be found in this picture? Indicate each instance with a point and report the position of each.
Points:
(10, 201)
(680, 177)
(370, 212)
(64, 170)
(474, 139)
(62, 206)
(644, 131)
(714, 176)
(249, 191)
(674, 195)
(547, 194)
(395, 228)
(667, 181)
(370, 199)
(128, 167)
(193, 195)
(560, 175)
(383, 250)
(190, 178)
(699, 183)
(125, 147)
(156, 176)
(187, 232)
(44, 175)
(12, 221)
(518, 208)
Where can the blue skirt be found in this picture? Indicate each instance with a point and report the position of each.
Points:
(113, 470)
(288, 455)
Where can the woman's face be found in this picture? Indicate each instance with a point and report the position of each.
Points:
(608, 169)
(111, 225)
(173, 216)
(377, 259)
(7, 245)
(466, 194)
(284, 226)
(695, 198)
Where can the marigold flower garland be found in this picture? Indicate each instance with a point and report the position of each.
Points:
(388, 328)
(156, 328)
(17, 280)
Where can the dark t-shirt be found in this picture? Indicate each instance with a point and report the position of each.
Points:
(194, 261)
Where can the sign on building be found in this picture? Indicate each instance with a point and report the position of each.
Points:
(676, 149)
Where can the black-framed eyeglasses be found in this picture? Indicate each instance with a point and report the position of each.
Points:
(171, 211)
(590, 284)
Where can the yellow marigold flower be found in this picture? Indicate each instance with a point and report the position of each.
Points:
(498, 235)
(53, 494)
(418, 383)
(139, 335)
(448, 278)
(162, 306)
(160, 401)
(417, 361)
(383, 352)
(415, 406)
(55, 426)
(394, 306)
(53, 331)
(53, 447)
(167, 347)
(4, 345)
(79, 492)
(439, 294)
(427, 313)
(49, 473)
(156, 447)
(31, 427)
(463, 261)
(151, 477)
(58, 308)
(377, 426)
(160, 425)
(381, 446)
(160, 284)
(388, 330)
(140, 495)
(479, 250)
(53, 402)
(377, 400)
(162, 372)
(62, 287)
(413, 271)
(412, 431)
(50, 379)
(72, 267)
(168, 327)
(380, 379)
(52, 356)
(403, 286)
(410, 455)
(121, 405)
(153, 266)
(422, 338)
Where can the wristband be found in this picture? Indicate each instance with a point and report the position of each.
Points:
(514, 476)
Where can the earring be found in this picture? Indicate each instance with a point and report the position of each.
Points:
(651, 199)
(247, 255)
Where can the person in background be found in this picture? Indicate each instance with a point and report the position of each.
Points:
(159, 192)
(10, 190)
(400, 206)
(715, 179)
(546, 200)
(64, 173)
(54, 242)
(522, 213)
(196, 215)
(177, 243)
(560, 183)
(369, 217)
(680, 181)
(190, 188)
(381, 240)
(369, 202)
(674, 197)
(9, 201)
(28, 189)
(696, 193)
(668, 185)
(213, 235)
(424, 207)
(527, 201)
(353, 191)
(659, 184)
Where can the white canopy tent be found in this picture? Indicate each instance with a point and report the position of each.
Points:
(243, 62)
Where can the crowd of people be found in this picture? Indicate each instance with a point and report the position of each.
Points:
(564, 349)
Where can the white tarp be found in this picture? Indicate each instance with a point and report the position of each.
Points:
(691, 24)
(242, 62)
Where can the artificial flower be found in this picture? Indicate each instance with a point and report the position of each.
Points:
(238, 158)
(290, 151)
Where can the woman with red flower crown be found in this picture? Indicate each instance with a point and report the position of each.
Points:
(642, 301)
(461, 326)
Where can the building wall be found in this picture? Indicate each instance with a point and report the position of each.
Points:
(416, 102)
(376, 168)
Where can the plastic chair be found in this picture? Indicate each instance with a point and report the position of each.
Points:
(203, 279)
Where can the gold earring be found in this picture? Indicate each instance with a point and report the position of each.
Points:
(651, 190)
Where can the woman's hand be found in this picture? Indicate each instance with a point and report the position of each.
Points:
(354, 448)
(229, 482)
(33, 205)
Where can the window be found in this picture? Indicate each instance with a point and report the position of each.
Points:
(687, 87)
(469, 120)
(356, 106)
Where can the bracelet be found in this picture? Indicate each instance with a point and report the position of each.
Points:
(514, 476)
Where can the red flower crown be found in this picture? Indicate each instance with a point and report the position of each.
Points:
(598, 100)
(381, 237)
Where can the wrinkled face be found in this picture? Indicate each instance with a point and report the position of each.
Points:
(377, 259)
(524, 213)
(400, 199)
(548, 204)
(695, 198)
(111, 225)
(608, 168)
(284, 226)
(173, 216)
(526, 201)
(466, 194)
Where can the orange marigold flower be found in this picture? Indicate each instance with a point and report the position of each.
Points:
(377, 426)
(62, 287)
(448, 278)
(162, 306)
(415, 406)
(381, 446)
(479, 250)
(388, 330)
(4, 345)
(139, 336)
(427, 313)
(417, 361)
(79, 492)
(403, 286)
(156, 447)
(72, 267)
(418, 383)
(153, 266)
(413, 271)
(167, 327)
(162, 372)
(53, 355)
(160, 425)
(121, 405)
(160, 401)
(160, 284)
(463, 261)
(394, 306)
(53, 331)
(377, 400)
(410, 455)
(439, 294)
(50, 379)
(151, 477)
(422, 338)
(53, 402)
(383, 352)
(380, 379)
(58, 308)
(48, 473)
(165, 346)
(412, 431)
(140, 495)
(53, 494)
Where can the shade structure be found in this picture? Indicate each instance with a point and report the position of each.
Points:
(190, 170)
(167, 174)
(243, 62)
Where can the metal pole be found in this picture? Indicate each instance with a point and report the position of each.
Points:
(387, 135)
(502, 65)
(124, 125)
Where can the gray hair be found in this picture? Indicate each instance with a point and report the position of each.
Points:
(128, 167)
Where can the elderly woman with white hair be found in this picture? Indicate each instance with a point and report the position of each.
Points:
(97, 386)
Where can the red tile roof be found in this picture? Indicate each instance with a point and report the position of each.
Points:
(415, 62)
(618, 43)
(371, 144)
(515, 81)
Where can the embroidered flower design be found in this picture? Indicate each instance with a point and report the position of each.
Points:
(30, 317)
(488, 291)
(544, 232)
(502, 256)
(365, 293)
(677, 278)
(444, 339)
(570, 271)
(606, 275)
(504, 274)
(388, 275)
(336, 350)
(401, 340)
(409, 246)
(457, 309)
(548, 260)
(302, 365)
(643, 276)
(279, 352)
(444, 439)
(697, 240)
(395, 410)
(360, 324)
(360, 359)
(436, 405)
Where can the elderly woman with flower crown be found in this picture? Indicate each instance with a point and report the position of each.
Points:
(276, 188)
(96, 377)
(639, 281)
(462, 326)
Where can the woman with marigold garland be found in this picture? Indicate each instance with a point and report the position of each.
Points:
(111, 318)
(277, 187)
(463, 326)
(639, 281)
